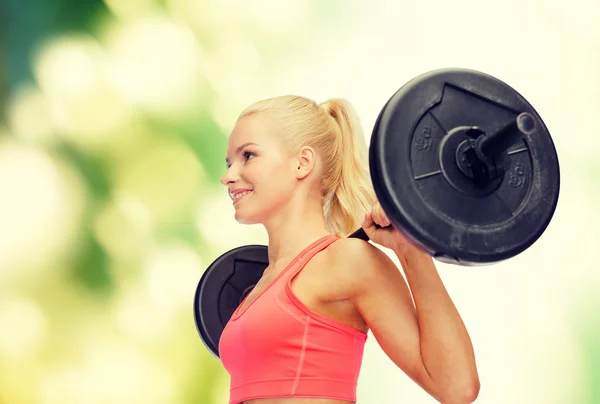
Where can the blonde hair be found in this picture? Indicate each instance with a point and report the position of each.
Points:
(333, 130)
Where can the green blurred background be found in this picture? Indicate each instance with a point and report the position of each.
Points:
(114, 122)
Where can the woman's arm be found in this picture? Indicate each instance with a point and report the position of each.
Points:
(446, 348)
(427, 339)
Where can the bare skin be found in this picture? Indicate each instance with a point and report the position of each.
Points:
(414, 320)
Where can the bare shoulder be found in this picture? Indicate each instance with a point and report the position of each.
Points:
(360, 257)
(356, 264)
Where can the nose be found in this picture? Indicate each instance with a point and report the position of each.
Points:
(230, 175)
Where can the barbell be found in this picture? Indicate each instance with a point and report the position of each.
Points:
(461, 164)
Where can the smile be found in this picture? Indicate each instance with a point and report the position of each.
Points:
(239, 196)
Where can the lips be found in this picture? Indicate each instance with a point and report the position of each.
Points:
(238, 194)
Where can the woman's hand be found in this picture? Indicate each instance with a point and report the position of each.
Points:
(386, 235)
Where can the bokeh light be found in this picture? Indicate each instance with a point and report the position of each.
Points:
(42, 202)
(23, 328)
(157, 63)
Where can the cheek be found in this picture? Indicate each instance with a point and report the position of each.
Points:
(273, 179)
(275, 186)
(283, 180)
(276, 174)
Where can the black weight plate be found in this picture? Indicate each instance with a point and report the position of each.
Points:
(223, 286)
(450, 224)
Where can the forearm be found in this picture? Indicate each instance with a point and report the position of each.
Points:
(446, 348)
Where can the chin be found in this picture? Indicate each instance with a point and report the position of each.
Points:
(255, 213)
(244, 219)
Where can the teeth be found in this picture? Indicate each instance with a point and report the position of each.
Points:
(237, 196)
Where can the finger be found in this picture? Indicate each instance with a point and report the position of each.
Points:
(369, 225)
(384, 215)
(368, 221)
(375, 213)
(380, 217)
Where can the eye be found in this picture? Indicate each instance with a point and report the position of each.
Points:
(246, 155)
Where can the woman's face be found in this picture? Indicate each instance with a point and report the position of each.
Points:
(260, 175)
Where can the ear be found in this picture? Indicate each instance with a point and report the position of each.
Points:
(306, 161)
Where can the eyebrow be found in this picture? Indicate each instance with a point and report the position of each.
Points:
(240, 149)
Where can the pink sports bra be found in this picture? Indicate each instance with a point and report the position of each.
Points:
(278, 347)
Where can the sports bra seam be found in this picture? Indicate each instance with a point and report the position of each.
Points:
(293, 378)
(278, 303)
(302, 357)
(331, 324)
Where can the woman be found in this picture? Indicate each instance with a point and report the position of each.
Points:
(301, 170)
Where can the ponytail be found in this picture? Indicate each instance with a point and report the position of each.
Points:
(352, 195)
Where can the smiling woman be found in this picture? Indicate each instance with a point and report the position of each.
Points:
(300, 169)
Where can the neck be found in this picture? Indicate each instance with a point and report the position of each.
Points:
(290, 233)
